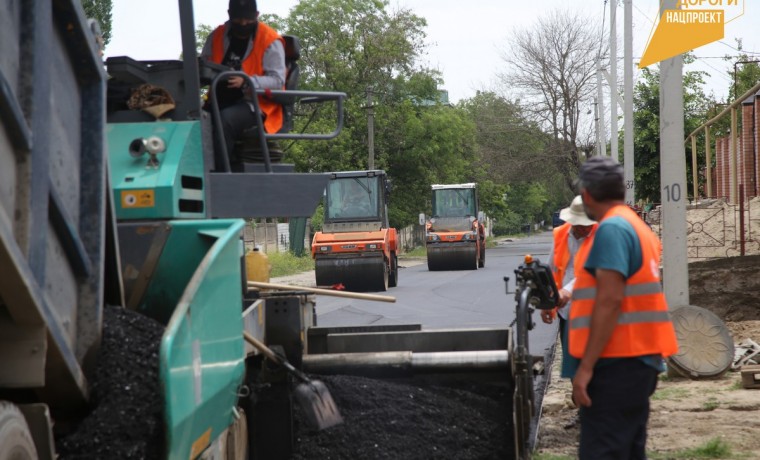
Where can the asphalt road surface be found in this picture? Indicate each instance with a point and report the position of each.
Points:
(450, 299)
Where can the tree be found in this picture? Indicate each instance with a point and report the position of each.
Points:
(510, 146)
(646, 120)
(359, 46)
(100, 10)
(746, 71)
(553, 63)
(202, 33)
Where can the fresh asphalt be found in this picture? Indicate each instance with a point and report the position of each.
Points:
(451, 299)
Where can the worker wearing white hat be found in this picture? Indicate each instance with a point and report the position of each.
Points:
(578, 229)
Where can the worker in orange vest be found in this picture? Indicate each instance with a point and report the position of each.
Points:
(245, 44)
(577, 230)
(619, 326)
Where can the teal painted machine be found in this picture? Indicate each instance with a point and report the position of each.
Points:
(179, 209)
(167, 184)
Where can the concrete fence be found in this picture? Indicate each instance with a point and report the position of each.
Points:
(270, 236)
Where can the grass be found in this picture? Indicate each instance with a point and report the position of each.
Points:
(286, 263)
(670, 394)
(539, 456)
(714, 448)
(416, 252)
(711, 404)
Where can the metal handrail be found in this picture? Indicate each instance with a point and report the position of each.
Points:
(311, 97)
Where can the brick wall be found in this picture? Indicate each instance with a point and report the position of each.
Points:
(719, 168)
(748, 149)
(727, 166)
(756, 125)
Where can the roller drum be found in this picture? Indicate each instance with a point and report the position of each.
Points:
(356, 272)
(452, 257)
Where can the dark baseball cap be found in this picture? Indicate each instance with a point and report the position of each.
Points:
(601, 170)
(243, 9)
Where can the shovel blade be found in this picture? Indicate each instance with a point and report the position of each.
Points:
(318, 405)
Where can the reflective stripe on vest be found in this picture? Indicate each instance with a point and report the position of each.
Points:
(626, 318)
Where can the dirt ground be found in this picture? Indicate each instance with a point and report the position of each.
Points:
(686, 414)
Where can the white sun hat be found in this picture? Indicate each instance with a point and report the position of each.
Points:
(574, 214)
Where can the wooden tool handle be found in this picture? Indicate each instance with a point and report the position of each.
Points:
(351, 295)
(261, 347)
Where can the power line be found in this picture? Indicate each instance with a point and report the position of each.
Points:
(601, 34)
(721, 73)
(737, 49)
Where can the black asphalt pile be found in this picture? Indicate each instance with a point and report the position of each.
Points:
(384, 419)
(126, 417)
(406, 420)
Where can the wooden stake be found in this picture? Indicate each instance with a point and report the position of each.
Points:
(330, 292)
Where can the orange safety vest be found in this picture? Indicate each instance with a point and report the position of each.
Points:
(561, 253)
(253, 65)
(644, 326)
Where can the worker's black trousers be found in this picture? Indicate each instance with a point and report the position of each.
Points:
(236, 118)
(615, 426)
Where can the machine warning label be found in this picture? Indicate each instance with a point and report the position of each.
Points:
(138, 199)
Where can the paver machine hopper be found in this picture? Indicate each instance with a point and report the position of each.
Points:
(153, 223)
(454, 233)
(356, 247)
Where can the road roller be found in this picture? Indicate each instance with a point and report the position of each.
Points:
(454, 233)
(356, 249)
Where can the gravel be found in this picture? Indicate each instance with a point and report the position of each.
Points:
(430, 418)
(406, 420)
(126, 419)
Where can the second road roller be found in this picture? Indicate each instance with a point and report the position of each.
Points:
(454, 234)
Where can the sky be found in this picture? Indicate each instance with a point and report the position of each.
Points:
(465, 39)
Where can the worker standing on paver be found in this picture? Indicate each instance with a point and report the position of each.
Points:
(619, 322)
(577, 230)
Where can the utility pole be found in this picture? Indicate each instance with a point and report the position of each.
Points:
(598, 132)
(602, 137)
(371, 130)
(628, 161)
(613, 83)
(673, 178)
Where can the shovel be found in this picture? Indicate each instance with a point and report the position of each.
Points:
(312, 395)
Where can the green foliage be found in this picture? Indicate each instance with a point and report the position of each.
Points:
(646, 120)
(420, 251)
(318, 218)
(511, 147)
(202, 33)
(286, 263)
(100, 10)
(361, 48)
(529, 201)
(713, 448)
(747, 71)
(542, 456)
(510, 224)
(670, 394)
(711, 405)
(514, 153)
